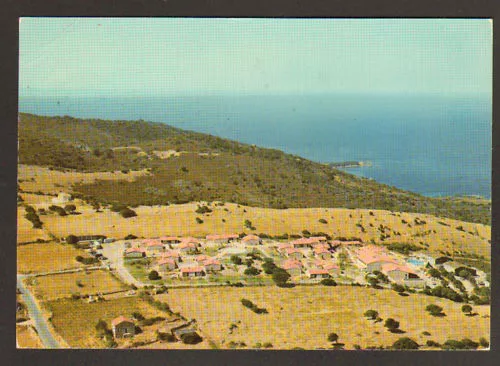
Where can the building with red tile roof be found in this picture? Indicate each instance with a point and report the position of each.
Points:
(251, 240)
(223, 238)
(192, 271)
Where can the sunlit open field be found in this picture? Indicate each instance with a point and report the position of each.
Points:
(304, 316)
(47, 257)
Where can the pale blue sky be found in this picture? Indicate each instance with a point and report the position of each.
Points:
(165, 56)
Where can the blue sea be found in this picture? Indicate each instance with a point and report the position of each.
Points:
(432, 145)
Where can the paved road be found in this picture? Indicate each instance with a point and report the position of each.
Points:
(114, 253)
(36, 315)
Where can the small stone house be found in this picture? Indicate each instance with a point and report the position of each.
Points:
(212, 265)
(166, 264)
(318, 273)
(192, 272)
(293, 267)
(293, 253)
(134, 253)
(122, 327)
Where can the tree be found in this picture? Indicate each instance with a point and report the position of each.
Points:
(371, 314)
(328, 282)
(398, 288)
(236, 260)
(70, 208)
(433, 272)
(127, 212)
(391, 324)
(434, 310)
(373, 281)
(405, 343)
(484, 342)
(467, 309)
(251, 271)
(153, 275)
(333, 337)
(71, 239)
(280, 276)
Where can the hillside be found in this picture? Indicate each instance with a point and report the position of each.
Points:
(187, 166)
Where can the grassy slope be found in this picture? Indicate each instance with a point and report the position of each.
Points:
(241, 173)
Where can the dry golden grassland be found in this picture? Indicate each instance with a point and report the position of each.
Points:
(25, 231)
(36, 178)
(75, 320)
(304, 316)
(180, 220)
(63, 285)
(47, 257)
(27, 337)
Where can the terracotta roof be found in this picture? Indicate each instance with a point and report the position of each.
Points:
(329, 266)
(191, 269)
(320, 250)
(318, 271)
(392, 267)
(164, 260)
(304, 241)
(291, 263)
(134, 250)
(152, 243)
(291, 251)
(171, 254)
(250, 237)
(222, 236)
(187, 245)
(284, 246)
(190, 239)
(210, 261)
(320, 238)
(169, 238)
(201, 257)
(120, 320)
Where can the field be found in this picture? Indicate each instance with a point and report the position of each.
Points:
(75, 320)
(27, 337)
(47, 257)
(40, 179)
(437, 234)
(63, 285)
(304, 316)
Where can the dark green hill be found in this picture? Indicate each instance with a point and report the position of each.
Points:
(233, 172)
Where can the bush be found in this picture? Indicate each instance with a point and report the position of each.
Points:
(371, 314)
(153, 275)
(267, 345)
(398, 288)
(248, 304)
(203, 209)
(430, 343)
(70, 208)
(117, 207)
(323, 221)
(484, 342)
(130, 237)
(403, 248)
(434, 310)
(405, 343)
(467, 309)
(162, 337)
(236, 260)
(251, 271)
(138, 315)
(199, 221)
(71, 239)
(333, 337)
(328, 282)
(79, 258)
(127, 212)
(191, 338)
(280, 276)
(391, 324)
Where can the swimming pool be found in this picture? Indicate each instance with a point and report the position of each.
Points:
(415, 262)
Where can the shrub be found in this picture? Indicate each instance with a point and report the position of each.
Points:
(398, 288)
(371, 314)
(203, 209)
(484, 342)
(333, 337)
(236, 260)
(127, 212)
(434, 310)
(391, 324)
(328, 282)
(251, 271)
(138, 315)
(199, 221)
(117, 207)
(430, 343)
(280, 276)
(267, 345)
(165, 337)
(79, 258)
(323, 221)
(467, 309)
(248, 304)
(130, 237)
(405, 343)
(191, 338)
(71, 239)
(153, 275)
(70, 208)
(357, 347)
